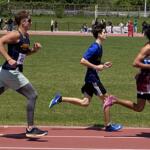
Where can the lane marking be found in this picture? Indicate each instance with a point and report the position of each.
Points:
(69, 127)
(96, 137)
(42, 148)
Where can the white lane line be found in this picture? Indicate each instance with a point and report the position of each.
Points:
(43, 148)
(68, 127)
(88, 137)
(97, 137)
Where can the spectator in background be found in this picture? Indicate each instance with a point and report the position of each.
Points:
(121, 25)
(5, 24)
(10, 23)
(144, 26)
(130, 28)
(103, 21)
(52, 25)
(84, 28)
(111, 25)
(1, 23)
(55, 25)
(135, 24)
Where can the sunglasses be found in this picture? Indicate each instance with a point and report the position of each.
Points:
(29, 20)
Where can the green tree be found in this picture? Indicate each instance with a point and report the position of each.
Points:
(137, 2)
(122, 3)
(101, 2)
(104, 2)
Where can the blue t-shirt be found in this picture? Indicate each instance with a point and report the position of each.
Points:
(18, 51)
(93, 55)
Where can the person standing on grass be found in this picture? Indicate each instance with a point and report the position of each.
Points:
(142, 61)
(92, 60)
(11, 75)
(52, 25)
(130, 28)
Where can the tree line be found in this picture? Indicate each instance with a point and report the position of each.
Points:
(100, 2)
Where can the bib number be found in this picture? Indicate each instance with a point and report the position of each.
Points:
(21, 59)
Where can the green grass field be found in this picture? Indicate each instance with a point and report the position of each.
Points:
(56, 68)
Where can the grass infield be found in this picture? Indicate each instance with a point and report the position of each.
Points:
(56, 68)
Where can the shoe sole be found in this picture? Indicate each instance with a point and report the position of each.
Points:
(35, 135)
(115, 130)
(50, 104)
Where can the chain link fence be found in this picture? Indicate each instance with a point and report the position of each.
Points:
(44, 8)
(61, 10)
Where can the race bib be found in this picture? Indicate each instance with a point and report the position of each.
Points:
(21, 58)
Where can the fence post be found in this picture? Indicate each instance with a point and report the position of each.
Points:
(35, 26)
(138, 11)
(68, 26)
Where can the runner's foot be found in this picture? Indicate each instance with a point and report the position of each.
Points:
(35, 132)
(113, 127)
(57, 99)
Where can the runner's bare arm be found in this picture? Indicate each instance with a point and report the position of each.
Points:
(96, 67)
(138, 62)
(35, 48)
(11, 37)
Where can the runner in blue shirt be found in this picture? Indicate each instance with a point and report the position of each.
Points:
(92, 60)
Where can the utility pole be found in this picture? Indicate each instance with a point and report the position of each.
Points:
(145, 9)
(96, 11)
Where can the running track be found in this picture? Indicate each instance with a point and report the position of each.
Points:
(60, 138)
(71, 33)
(75, 138)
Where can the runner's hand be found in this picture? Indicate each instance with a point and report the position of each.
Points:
(12, 62)
(107, 65)
(36, 46)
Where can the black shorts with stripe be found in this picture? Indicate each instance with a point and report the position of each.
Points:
(93, 88)
(143, 85)
(143, 96)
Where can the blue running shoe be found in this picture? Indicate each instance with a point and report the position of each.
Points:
(113, 127)
(57, 99)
